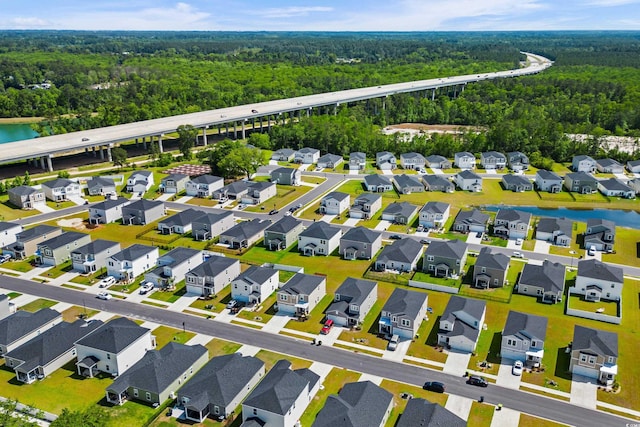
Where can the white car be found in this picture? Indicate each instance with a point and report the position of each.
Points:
(106, 282)
(104, 295)
(518, 255)
(146, 287)
(591, 251)
(517, 368)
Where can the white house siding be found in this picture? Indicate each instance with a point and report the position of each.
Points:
(138, 266)
(238, 291)
(243, 393)
(610, 290)
(118, 364)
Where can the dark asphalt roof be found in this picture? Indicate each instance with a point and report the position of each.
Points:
(63, 239)
(529, 325)
(110, 203)
(473, 307)
(302, 284)
(454, 249)
(213, 266)
(35, 232)
(600, 270)
(247, 229)
(95, 247)
(422, 413)
(595, 340)
(284, 225)
(405, 302)
(182, 218)
(403, 250)
(549, 276)
(361, 234)
(133, 252)
(21, 323)
(488, 259)
(114, 336)
(321, 230)
(361, 404)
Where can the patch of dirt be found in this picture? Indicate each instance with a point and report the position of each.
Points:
(77, 223)
(424, 128)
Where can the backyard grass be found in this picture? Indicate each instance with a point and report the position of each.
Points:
(270, 358)
(166, 334)
(75, 312)
(170, 296)
(285, 194)
(441, 281)
(480, 414)
(38, 304)
(627, 247)
(332, 384)
(219, 347)
(397, 389)
(424, 346)
(577, 302)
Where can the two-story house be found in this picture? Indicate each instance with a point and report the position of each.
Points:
(493, 160)
(468, 181)
(283, 233)
(421, 412)
(244, 234)
(583, 163)
(286, 176)
(255, 284)
(27, 241)
(329, 161)
(357, 161)
(173, 266)
(464, 160)
(600, 234)
(517, 161)
(180, 222)
(580, 182)
(408, 184)
(415, 161)
(437, 183)
(490, 270)
(613, 187)
(473, 221)
(61, 189)
(516, 183)
(558, 231)
(320, 238)
(283, 155)
(360, 243)
(352, 301)
(434, 214)
(25, 197)
(9, 233)
(402, 255)
(385, 160)
(461, 323)
(101, 186)
(597, 280)
(259, 192)
(594, 354)
(403, 313)
(609, 166)
(377, 183)
(232, 191)
(93, 256)
(210, 277)
(511, 224)
(142, 212)
(436, 161)
(140, 182)
(548, 181)
(523, 338)
(365, 206)
(108, 211)
(22, 326)
(399, 212)
(131, 262)
(301, 294)
(203, 186)
(306, 156)
(445, 258)
(210, 225)
(361, 403)
(56, 250)
(334, 203)
(544, 281)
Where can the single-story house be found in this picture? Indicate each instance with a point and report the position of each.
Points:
(180, 222)
(609, 166)
(329, 161)
(407, 184)
(283, 155)
(356, 404)
(377, 183)
(101, 186)
(21, 326)
(438, 183)
(232, 191)
(421, 412)
(517, 183)
(400, 213)
(436, 161)
(613, 187)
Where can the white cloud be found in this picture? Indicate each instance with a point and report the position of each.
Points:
(610, 3)
(27, 23)
(289, 12)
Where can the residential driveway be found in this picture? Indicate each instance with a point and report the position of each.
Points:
(331, 337)
(597, 255)
(584, 392)
(184, 199)
(248, 350)
(505, 418)
(387, 172)
(472, 238)
(353, 172)
(511, 244)
(77, 200)
(43, 208)
(621, 176)
(459, 405)
(383, 225)
(399, 353)
(505, 377)
(351, 222)
(273, 162)
(328, 218)
(201, 339)
(368, 377)
(457, 363)
(164, 196)
(541, 247)
(276, 323)
(490, 172)
(436, 171)
(303, 168)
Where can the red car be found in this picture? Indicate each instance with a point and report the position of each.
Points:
(327, 327)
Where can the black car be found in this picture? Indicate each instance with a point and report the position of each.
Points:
(476, 380)
(395, 237)
(434, 386)
(254, 111)
(273, 211)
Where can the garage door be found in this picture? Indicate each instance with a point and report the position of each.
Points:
(585, 371)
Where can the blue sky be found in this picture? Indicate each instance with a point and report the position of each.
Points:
(321, 15)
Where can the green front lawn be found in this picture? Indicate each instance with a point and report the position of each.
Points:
(627, 247)
(314, 321)
(219, 347)
(480, 414)
(270, 358)
(22, 266)
(58, 270)
(166, 334)
(38, 304)
(76, 312)
(9, 212)
(332, 384)
(170, 296)
(425, 345)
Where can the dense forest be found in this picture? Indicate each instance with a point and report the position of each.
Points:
(82, 80)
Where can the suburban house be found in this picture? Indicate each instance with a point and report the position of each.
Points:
(286, 176)
(283, 233)
(399, 213)
(352, 301)
(437, 183)
(93, 256)
(421, 412)
(436, 161)
(140, 182)
(158, 375)
(329, 161)
(259, 192)
(517, 161)
(6, 308)
(365, 206)
(61, 189)
(180, 222)
(580, 182)
(113, 348)
(468, 181)
(434, 214)
(203, 185)
(609, 166)
(357, 161)
(174, 183)
(583, 163)
(600, 234)
(280, 399)
(523, 338)
(634, 184)
(598, 280)
(516, 183)
(493, 160)
(548, 181)
(9, 233)
(464, 160)
(22, 326)
(219, 386)
(320, 238)
(360, 243)
(490, 270)
(56, 250)
(633, 166)
(108, 211)
(232, 191)
(255, 284)
(544, 281)
(301, 294)
(461, 323)
(377, 183)
(306, 156)
(142, 212)
(210, 225)
(213, 275)
(173, 266)
(385, 160)
(334, 203)
(283, 155)
(101, 186)
(407, 184)
(27, 241)
(594, 354)
(402, 313)
(49, 351)
(244, 234)
(131, 262)
(472, 221)
(356, 404)
(401, 255)
(445, 258)
(558, 231)
(414, 161)
(25, 197)
(613, 187)
(511, 224)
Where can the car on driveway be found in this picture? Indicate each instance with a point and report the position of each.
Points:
(477, 381)
(393, 343)
(232, 304)
(326, 328)
(434, 386)
(425, 241)
(106, 282)
(146, 287)
(104, 295)
(517, 368)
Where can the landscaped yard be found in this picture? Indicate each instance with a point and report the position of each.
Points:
(270, 358)
(58, 270)
(219, 347)
(8, 212)
(75, 312)
(170, 296)
(38, 304)
(527, 420)
(313, 324)
(424, 346)
(332, 384)
(22, 266)
(577, 302)
(627, 247)
(166, 334)
(480, 414)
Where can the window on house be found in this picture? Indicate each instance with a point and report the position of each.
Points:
(108, 356)
(405, 322)
(534, 343)
(255, 411)
(583, 358)
(432, 267)
(430, 257)
(483, 270)
(283, 297)
(611, 359)
(592, 359)
(135, 392)
(148, 396)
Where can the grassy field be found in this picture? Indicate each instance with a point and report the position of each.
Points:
(527, 420)
(627, 247)
(75, 312)
(425, 345)
(219, 347)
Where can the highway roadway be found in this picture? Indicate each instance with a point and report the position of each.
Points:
(521, 401)
(107, 136)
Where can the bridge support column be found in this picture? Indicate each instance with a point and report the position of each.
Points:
(109, 157)
(235, 130)
(101, 153)
(42, 166)
(226, 132)
(335, 109)
(137, 143)
(269, 123)
(433, 94)
(86, 151)
(261, 129)
(243, 130)
(160, 148)
(49, 164)
(204, 136)
(144, 143)
(308, 112)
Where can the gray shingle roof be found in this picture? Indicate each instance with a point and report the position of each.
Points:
(63, 239)
(177, 256)
(473, 216)
(361, 234)
(453, 249)
(511, 179)
(403, 181)
(614, 184)
(209, 218)
(302, 284)
(95, 247)
(23, 190)
(57, 183)
(213, 266)
(247, 229)
(367, 198)
(493, 155)
(377, 180)
(513, 215)
(332, 158)
(549, 276)
(144, 204)
(580, 176)
(361, 404)
(595, 340)
(206, 179)
(548, 175)
(492, 260)
(338, 195)
(473, 307)
(357, 155)
(35, 232)
(436, 158)
(133, 252)
(21, 323)
(236, 187)
(182, 218)
(404, 209)
(405, 302)
(464, 154)
(467, 174)
(422, 413)
(158, 369)
(114, 336)
(436, 181)
(403, 250)
(111, 203)
(435, 207)
(99, 181)
(284, 225)
(321, 230)
(257, 274)
(605, 163)
(599, 270)
(550, 225)
(525, 324)
(4, 226)
(601, 224)
(354, 290)
(175, 177)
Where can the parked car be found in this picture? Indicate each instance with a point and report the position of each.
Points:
(395, 237)
(518, 241)
(517, 368)
(146, 287)
(425, 241)
(591, 251)
(434, 386)
(327, 327)
(106, 282)
(254, 111)
(104, 295)
(273, 211)
(4, 258)
(232, 303)
(393, 343)
(477, 381)
(518, 255)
